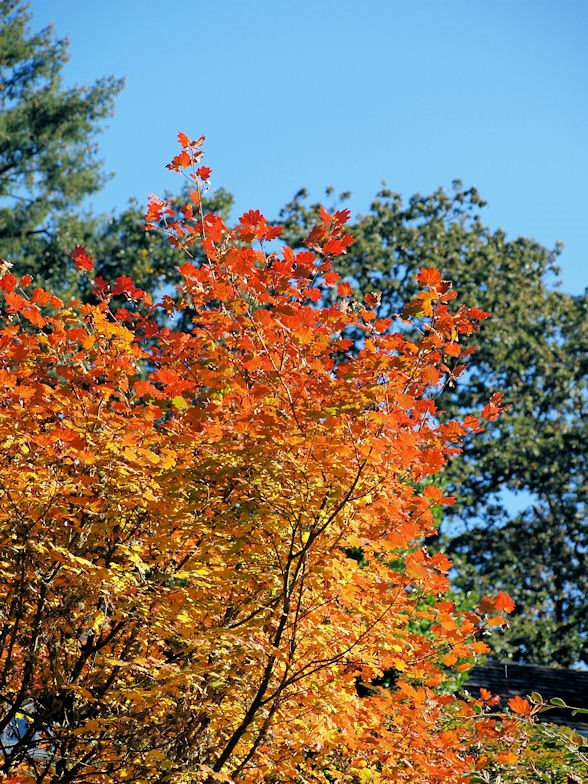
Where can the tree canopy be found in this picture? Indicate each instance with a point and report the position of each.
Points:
(520, 519)
(178, 599)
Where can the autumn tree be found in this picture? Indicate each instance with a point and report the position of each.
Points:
(533, 348)
(178, 600)
(519, 523)
(520, 520)
(48, 155)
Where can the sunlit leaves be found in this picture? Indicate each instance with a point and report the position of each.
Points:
(211, 536)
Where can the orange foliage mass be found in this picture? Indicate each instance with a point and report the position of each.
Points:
(178, 512)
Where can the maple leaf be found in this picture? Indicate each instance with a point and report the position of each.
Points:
(156, 210)
(341, 216)
(33, 314)
(180, 161)
(331, 278)
(373, 299)
(82, 259)
(494, 408)
(125, 285)
(519, 705)
(8, 282)
(503, 602)
(337, 245)
(507, 758)
(183, 139)
(429, 277)
(204, 172)
(324, 216)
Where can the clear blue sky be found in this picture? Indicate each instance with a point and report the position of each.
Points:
(317, 92)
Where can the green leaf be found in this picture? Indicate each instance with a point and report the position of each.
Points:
(558, 701)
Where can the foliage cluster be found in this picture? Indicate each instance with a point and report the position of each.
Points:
(178, 511)
(520, 521)
(178, 597)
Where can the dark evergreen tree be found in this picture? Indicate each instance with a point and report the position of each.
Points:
(48, 153)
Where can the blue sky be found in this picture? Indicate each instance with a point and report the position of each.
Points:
(317, 92)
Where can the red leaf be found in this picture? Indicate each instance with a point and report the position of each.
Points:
(82, 259)
(214, 227)
(494, 408)
(145, 388)
(204, 172)
(325, 217)
(180, 161)
(342, 216)
(195, 143)
(471, 422)
(496, 621)
(40, 296)
(156, 208)
(478, 314)
(8, 282)
(272, 233)
(487, 605)
(124, 285)
(334, 247)
(433, 493)
(183, 139)
(373, 298)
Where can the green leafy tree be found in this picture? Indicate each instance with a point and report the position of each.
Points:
(533, 349)
(48, 154)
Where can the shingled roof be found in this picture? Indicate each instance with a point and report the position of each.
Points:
(510, 680)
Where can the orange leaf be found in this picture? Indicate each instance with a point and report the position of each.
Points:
(504, 603)
(429, 277)
(507, 758)
(519, 705)
(183, 139)
(452, 349)
(33, 314)
(496, 621)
